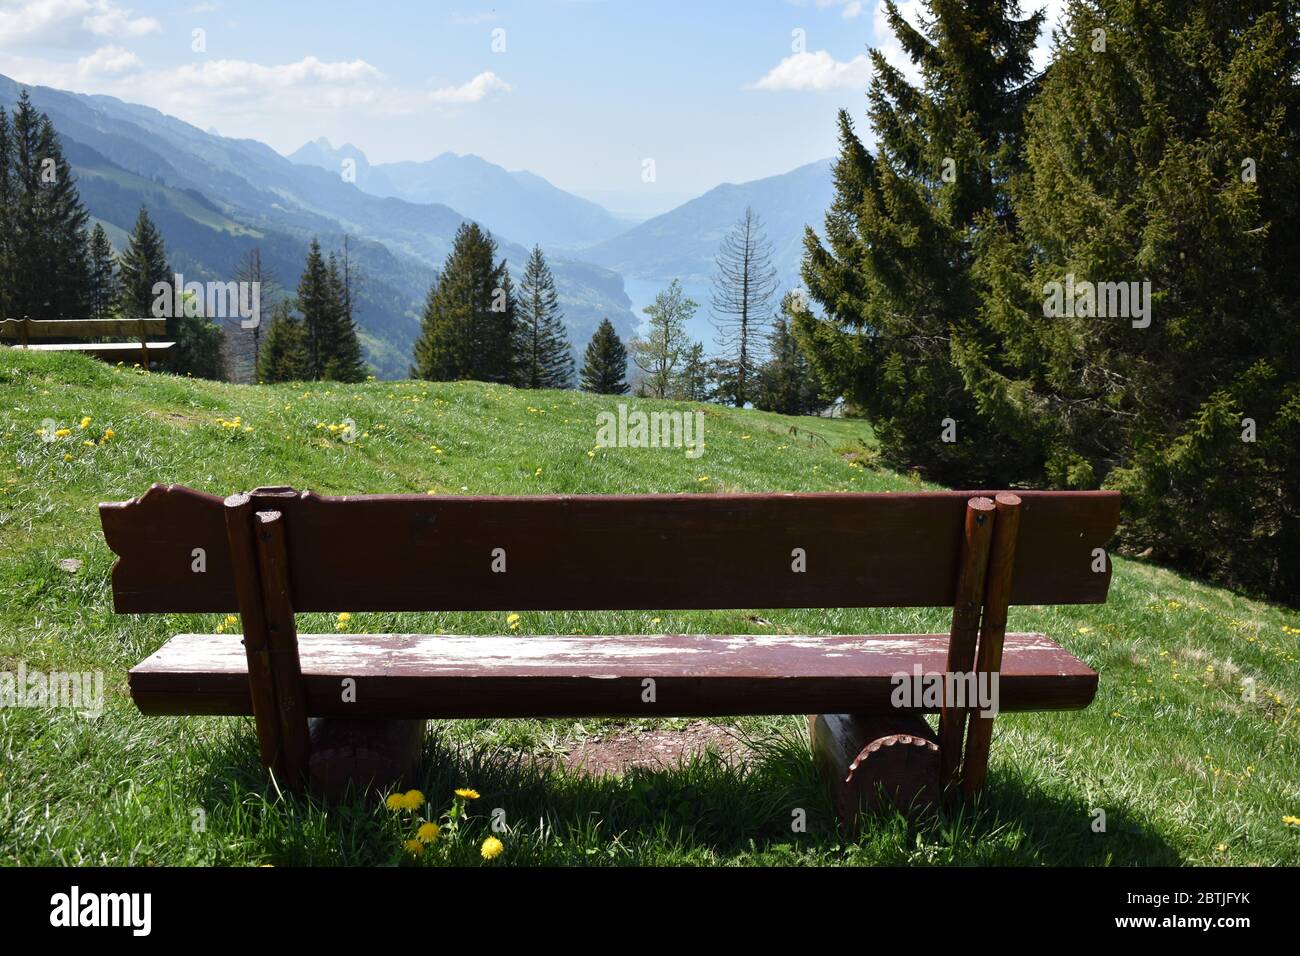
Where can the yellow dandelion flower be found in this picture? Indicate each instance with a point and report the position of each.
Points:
(428, 832)
(88, 443)
(513, 620)
(62, 432)
(491, 849)
(231, 619)
(395, 801)
(467, 793)
(702, 478)
(414, 847)
(1291, 821)
(109, 433)
(412, 800)
(85, 421)
(67, 458)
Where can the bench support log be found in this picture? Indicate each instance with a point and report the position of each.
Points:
(350, 755)
(977, 534)
(993, 631)
(877, 762)
(261, 568)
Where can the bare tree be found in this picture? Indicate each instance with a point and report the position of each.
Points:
(742, 298)
(251, 269)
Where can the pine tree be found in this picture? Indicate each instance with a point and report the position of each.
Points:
(894, 277)
(467, 327)
(47, 241)
(344, 361)
(742, 299)
(693, 382)
(542, 355)
(142, 266)
(660, 354)
(604, 369)
(787, 382)
(318, 304)
(7, 188)
(285, 356)
(62, 224)
(105, 287)
(1165, 152)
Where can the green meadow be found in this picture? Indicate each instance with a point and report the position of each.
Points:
(1191, 748)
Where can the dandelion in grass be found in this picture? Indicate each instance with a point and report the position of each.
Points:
(468, 793)
(342, 623)
(62, 432)
(1291, 821)
(395, 801)
(109, 433)
(512, 619)
(491, 849)
(428, 832)
(85, 422)
(412, 800)
(413, 847)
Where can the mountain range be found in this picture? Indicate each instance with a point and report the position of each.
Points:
(213, 198)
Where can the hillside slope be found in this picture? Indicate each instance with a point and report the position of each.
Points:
(1187, 767)
(244, 193)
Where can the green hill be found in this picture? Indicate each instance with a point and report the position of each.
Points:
(1187, 767)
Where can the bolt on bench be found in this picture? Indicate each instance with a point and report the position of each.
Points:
(273, 552)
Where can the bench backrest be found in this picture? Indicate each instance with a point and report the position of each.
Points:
(599, 552)
(27, 330)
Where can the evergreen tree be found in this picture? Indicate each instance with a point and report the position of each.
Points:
(319, 305)
(47, 255)
(142, 266)
(343, 361)
(7, 189)
(285, 355)
(787, 382)
(62, 227)
(467, 327)
(660, 354)
(693, 383)
(543, 358)
(742, 299)
(894, 277)
(604, 369)
(1164, 151)
(105, 287)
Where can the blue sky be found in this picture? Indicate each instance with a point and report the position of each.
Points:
(582, 92)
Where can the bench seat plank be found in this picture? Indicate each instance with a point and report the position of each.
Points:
(94, 346)
(454, 676)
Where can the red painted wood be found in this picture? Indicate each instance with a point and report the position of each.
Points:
(429, 676)
(599, 552)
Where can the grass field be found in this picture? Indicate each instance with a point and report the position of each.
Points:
(1187, 767)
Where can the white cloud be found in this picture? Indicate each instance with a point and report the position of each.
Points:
(817, 72)
(244, 76)
(68, 22)
(109, 61)
(476, 89)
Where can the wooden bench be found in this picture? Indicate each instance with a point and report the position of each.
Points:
(273, 552)
(24, 332)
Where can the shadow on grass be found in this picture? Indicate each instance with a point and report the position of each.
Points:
(768, 809)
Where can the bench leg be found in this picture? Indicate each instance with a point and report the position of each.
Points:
(993, 630)
(877, 762)
(350, 755)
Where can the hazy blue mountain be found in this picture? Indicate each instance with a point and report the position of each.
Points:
(682, 243)
(215, 197)
(521, 205)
